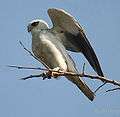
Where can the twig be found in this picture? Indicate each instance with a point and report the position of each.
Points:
(31, 68)
(43, 75)
(103, 79)
(52, 73)
(63, 73)
(83, 69)
(118, 88)
(99, 87)
(83, 72)
(33, 54)
(32, 76)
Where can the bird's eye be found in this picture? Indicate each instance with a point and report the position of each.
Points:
(34, 23)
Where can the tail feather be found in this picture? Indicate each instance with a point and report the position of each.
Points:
(82, 86)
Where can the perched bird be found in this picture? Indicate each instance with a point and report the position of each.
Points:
(50, 45)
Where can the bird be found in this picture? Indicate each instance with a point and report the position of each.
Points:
(51, 46)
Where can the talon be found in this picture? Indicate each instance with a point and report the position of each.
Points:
(51, 73)
(55, 70)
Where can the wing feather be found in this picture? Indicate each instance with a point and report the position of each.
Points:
(75, 35)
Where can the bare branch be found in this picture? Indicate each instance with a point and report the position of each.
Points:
(88, 76)
(53, 73)
(28, 68)
(32, 76)
(118, 88)
(43, 75)
(99, 87)
(83, 69)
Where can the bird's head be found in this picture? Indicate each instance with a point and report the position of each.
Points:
(37, 24)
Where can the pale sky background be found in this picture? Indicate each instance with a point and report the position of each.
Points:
(57, 98)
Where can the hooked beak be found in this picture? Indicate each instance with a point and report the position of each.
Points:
(29, 28)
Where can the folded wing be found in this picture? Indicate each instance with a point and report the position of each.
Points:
(75, 38)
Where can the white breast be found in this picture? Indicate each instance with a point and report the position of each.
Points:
(48, 49)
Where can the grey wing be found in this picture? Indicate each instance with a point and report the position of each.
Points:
(75, 38)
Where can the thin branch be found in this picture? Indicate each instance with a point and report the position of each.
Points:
(28, 68)
(33, 54)
(99, 87)
(118, 88)
(54, 73)
(103, 79)
(32, 76)
(43, 75)
(83, 69)
(62, 73)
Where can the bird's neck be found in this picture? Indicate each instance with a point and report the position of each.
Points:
(35, 32)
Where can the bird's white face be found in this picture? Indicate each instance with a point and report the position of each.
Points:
(36, 25)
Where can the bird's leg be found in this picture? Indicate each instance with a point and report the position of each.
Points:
(58, 70)
(52, 73)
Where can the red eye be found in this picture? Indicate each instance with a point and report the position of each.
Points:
(34, 24)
